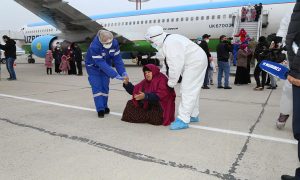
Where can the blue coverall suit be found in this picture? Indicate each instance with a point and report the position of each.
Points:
(98, 64)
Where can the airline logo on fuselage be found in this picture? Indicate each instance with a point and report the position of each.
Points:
(39, 46)
(29, 39)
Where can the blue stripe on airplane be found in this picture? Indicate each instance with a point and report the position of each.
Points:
(211, 5)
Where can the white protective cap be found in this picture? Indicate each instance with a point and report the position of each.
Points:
(155, 35)
(105, 37)
(153, 31)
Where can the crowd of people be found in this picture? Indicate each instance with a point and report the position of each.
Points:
(242, 53)
(251, 13)
(65, 61)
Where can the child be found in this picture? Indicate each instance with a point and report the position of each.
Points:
(48, 61)
(64, 65)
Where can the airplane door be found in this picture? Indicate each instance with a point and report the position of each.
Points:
(265, 18)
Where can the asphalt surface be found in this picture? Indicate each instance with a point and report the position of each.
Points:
(50, 130)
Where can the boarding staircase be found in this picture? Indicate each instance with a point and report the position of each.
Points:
(253, 29)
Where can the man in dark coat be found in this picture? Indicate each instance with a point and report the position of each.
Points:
(10, 56)
(78, 58)
(204, 46)
(223, 50)
(292, 44)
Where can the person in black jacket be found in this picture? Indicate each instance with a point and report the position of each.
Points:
(223, 50)
(204, 46)
(10, 56)
(57, 54)
(292, 44)
(260, 54)
(77, 57)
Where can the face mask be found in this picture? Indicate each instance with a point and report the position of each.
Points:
(107, 46)
(207, 40)
(154, 45)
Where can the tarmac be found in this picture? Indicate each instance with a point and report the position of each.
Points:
(50, 130)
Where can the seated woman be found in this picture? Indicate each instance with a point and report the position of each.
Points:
(152, 101)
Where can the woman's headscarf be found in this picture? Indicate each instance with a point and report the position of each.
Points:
(157, 85)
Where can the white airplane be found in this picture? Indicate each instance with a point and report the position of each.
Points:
(63, 22)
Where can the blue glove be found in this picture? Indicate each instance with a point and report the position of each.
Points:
(125, 74)
(119, 77)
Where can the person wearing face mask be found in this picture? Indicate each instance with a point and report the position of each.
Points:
(10, 56)
(204, 46)
(71, 58)
(186, 58)
(102, 53)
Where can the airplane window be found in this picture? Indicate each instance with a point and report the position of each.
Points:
(219, 17)
(126, 23)
(192, 18)
(187, 19)
(172, 20)
(213, 17)
(202, 17)
(146, 22)
(177, 19)
(142, 22)
(158, 21)
(133, 22)
(150, 21)
(122, 23)
(115, 24)
(197, 18)
(163, 20)
(230, 16)
(167, 20)
(130, 23)
(119, 24)
(181, 19)
(207, 17)
(138, 22)
(154, 21)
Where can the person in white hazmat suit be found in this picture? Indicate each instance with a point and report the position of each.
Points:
(186, 58)
(286, 101)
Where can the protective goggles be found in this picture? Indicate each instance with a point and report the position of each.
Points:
(149, 38)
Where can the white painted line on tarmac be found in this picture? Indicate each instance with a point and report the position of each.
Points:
(257, 136)
(54, 103)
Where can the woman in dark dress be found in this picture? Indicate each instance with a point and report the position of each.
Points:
(242, 75)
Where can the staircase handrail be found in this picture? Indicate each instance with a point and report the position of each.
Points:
(236, 24)
(259, 25)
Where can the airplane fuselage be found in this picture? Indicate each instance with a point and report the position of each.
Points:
(191, 21)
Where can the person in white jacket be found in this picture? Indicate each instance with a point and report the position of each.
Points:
(286, 101)
(186, 58)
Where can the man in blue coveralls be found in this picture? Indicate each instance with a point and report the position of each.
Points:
(103, 51)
